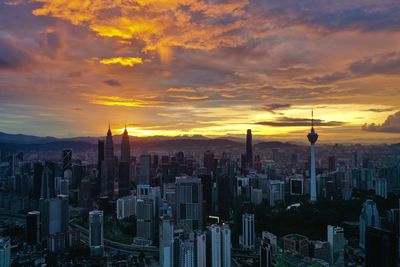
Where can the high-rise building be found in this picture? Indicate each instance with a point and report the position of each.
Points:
(297, 244)
(369, 217)
(54, 216)
(209, 162)
(64, 187)
(265, 254)
(96, 225)
(186, 251)
(123, 178)
(100, 159)
(226, 247)
(67, 159)
(107, 167)
(380, 186)
(33, 227)
(166, 241)
(125, 147)
(48, 181)
(336, 244)
(248, 238)
(313, 137)
(214, 246)
(249, 150)
(276, 191)
(126, 207)
(200, 249)
(380, 248)
(144, 169)
(271, 239)
(37, 179)
(5, 252)
(189, 203)
(145, 218)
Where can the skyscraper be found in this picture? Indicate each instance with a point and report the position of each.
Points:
(145, 216)
(214, 246)
(380, 248)
(248, 231)
(200, 249)
(96, 232)
(107, 168)
(369, 217)
(100, 159)
(226, 246)
(67, 159)
(125, 147)
(249, 150)
(5, 252)
(313, 137)
(336, 244)
(144, 169)
(54, 216)
(189, 203)
(166, 241)
(33, 227)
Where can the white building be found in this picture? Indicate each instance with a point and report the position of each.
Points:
(126, 207)
(271, 239)
(214, 245)
(248, 239)
(336, 244)
(96, 226)
(200, 249)
(166, 241)
(226, 246)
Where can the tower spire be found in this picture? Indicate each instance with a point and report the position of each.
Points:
(312, 120)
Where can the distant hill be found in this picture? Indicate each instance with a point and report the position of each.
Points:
(274, 144)
(24, 139)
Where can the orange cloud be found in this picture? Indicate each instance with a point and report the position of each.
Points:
(124, 61)
(119, 101)
(160, 25)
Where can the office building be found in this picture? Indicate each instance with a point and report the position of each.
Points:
(189, 203)
(166, 241)
(126, 207)
(380, 248)
(145, 219)
(144, 169)
(96, 225)
(124, 182)
(187, 251)
(200, 249)
(5, 252)
(54, 216)
(336, 244)
(248, 238)
(125, 147)
(369, 217)
(214, 245)
(271, 239)
(249, 150)
(296, 244)
(296, 186)
(226, 247)
(313, 137)
(33, 227)
(265, 254)
(276, 192)
(67, 159)
(381, 187)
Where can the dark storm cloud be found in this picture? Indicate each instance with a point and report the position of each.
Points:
(13, 58)
(297, 122)
(332, 16)
(390, 125)
(274, 107)
(112, 82)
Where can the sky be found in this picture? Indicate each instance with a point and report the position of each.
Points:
(201, 67)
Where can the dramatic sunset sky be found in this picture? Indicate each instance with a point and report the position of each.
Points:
(201, 67)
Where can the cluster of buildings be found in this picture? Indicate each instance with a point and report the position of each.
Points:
(182, 204)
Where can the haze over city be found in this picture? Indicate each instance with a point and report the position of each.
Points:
(210, 68)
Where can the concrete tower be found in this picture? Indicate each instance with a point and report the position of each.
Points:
(313, 137)
(249, 149)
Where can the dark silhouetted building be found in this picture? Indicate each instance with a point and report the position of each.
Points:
(249, 149)
(380, 248)
(33, 227)
(123, 178)
(125, 147)
(297, 244)
(107, 167)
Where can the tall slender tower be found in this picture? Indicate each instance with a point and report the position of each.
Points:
(107, 167)
(249, 149)
(125, 147)
(313, 137)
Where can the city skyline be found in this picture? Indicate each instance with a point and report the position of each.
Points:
(188, 67)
